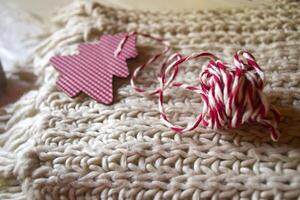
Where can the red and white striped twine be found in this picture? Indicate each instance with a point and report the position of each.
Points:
(232, 94)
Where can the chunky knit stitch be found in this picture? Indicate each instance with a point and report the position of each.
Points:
(55, 147)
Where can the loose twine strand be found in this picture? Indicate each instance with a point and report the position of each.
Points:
(231, 94)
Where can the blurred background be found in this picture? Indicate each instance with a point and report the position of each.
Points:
(22, 20)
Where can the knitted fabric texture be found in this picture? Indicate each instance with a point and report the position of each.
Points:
(55, 147)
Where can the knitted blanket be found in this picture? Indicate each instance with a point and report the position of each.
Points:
(55, 147)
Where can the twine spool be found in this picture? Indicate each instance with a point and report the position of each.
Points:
(231, 94)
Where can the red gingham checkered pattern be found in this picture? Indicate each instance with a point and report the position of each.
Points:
(92, 70)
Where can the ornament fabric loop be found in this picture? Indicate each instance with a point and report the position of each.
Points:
(166, 66)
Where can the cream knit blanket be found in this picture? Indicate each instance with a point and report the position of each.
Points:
(55, 147)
